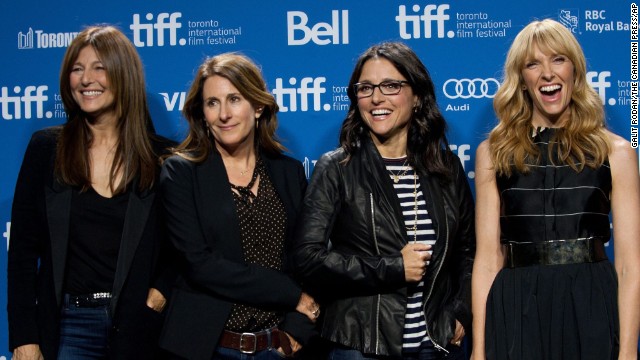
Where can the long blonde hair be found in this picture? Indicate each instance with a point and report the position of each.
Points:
(582, 141)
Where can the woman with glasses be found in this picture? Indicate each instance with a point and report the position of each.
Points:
(388, 220)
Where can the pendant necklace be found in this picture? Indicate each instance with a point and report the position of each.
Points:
(401, 173)
(245, 171)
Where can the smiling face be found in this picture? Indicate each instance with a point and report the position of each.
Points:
(229, 115)
(387, 116)
(549, 79)
(90, 86)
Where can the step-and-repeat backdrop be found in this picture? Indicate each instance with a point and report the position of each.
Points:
(307, 50)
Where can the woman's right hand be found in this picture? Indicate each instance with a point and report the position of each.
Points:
(308, 306)
(415, 257)
(27, 352)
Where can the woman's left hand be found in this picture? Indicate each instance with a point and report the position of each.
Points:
(155, 300)
(459, 334)
(308, 306)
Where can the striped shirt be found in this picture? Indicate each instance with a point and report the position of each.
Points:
(553, 202)
(409, 193)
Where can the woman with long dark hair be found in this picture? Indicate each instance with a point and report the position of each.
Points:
(86, 277)
(386, 236)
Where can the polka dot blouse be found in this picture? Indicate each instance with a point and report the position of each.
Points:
(262, 233)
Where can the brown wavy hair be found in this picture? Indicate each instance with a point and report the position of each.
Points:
(134, 154)
(582, 140)
(246, 77)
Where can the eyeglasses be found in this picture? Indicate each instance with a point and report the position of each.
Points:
(389, 87)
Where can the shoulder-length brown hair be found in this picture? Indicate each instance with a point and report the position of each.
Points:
(246, 77)
(134, 154)
(582, 141)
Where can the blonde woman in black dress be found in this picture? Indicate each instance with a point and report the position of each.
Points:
(547, 179)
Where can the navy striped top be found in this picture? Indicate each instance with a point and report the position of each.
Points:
(553, 202)
(411, 198)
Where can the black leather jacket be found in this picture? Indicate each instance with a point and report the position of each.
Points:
(359, 274)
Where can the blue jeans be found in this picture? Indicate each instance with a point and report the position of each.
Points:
(232, 354)
(84, 332)
(427, 352)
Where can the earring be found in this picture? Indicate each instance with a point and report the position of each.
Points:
(206, 126)
(524, 87)
(257, 123)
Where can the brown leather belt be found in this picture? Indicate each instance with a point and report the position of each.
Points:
(249, 343)
(555, 252)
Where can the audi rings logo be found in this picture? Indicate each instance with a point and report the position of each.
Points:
(470, 88)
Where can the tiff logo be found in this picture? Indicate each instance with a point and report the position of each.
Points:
(308, 86)
(144, 34)
(321, 33)
(12, 105)
(7, 234)
(601, 84)
(461, 151)
(25, 41)
(410, 25)
(308, 165)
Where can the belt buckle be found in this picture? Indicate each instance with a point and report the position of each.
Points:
(242, 341)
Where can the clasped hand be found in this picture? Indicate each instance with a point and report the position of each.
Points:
(415, 257)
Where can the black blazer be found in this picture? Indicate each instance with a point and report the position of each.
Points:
(203, 227)
(37, 256)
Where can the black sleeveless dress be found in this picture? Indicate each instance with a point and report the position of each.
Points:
(545, 312)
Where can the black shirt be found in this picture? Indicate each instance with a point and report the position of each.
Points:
(95, 232)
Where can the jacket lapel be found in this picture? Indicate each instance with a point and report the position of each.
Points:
(377, 171)
(138, 209)
(435, 206)
(58, 199)
(277, 173)
(215, 205)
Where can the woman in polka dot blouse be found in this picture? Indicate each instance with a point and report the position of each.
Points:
(231, 199)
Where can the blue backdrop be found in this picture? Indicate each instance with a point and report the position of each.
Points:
(307, 50)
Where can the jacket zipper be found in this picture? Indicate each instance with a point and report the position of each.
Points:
(373, 224)
(446, 245)
(375, 242)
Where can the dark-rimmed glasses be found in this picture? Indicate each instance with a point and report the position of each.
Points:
(388, 87)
